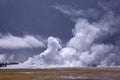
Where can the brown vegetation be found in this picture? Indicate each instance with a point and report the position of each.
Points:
(61, 74)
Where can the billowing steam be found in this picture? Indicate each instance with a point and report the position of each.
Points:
(86, 48)
(6, 59)
(28, 41)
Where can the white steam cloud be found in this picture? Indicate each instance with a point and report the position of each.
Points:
(2, 58)
(13, 42)
(5, 58)
(83, 49)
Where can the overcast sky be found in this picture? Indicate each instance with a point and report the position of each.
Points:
(39, 17)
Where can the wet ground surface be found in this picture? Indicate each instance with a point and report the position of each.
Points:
(61, 74)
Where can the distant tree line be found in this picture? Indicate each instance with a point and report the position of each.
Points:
(5, 64)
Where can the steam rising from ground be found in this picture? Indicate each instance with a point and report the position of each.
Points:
(81, 50)
(85, 48)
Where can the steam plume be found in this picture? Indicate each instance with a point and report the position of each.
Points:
(87, 47)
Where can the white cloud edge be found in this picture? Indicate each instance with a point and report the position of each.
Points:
(10, 41)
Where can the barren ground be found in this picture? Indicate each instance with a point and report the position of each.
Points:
(61, 74)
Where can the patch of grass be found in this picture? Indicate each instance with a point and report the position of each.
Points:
(58, 73)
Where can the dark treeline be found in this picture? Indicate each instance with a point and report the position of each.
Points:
(5, 64)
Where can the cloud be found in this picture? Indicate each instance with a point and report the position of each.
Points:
(14, 42)
(81, 50)
(75, 13)
(49, 55)
(85, 48)
(6, 58)
(84, 35)
(69, 11)
(2, 58)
